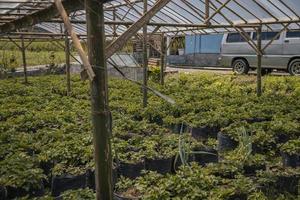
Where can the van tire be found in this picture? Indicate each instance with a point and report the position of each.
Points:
(294, 67)
(240, 66)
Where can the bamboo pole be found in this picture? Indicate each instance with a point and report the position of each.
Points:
(162, 59)
(23, 50)
(68, 64)
(101, 115)
(145, 60)
(259, 60)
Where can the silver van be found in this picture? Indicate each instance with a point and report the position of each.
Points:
(283, 54)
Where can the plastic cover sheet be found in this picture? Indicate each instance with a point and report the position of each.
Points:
(193, 11)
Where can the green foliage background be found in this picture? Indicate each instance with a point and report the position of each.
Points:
(37, 53)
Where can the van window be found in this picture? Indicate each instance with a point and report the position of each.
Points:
(235, 37)
(267, 36)
(293, 34)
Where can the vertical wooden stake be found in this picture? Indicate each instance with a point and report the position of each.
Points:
(162, 59)
(23, 50)
(168, 50)
(68, 65)
(114, 26)
(101, 115)
(207, 12)
(259, 60)
(145, 60)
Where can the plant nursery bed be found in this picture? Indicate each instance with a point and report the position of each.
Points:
(218, 141)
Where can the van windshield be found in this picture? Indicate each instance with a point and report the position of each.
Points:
(266, 36)
(293, 34)
(235, 37)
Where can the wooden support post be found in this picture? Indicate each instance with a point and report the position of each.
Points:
(68, 64)
(23, 50)
(145, 60)
(207, 22)
(259, 60)
(162, 59)
(101, 115)
(114, 25)
(168, 50)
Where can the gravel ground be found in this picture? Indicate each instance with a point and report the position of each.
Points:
(217, 70)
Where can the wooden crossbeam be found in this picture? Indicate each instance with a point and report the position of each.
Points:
(75, 39)
(216, 12)
(132, 30)
(40, 16)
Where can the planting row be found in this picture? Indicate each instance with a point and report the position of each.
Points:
(46, 141)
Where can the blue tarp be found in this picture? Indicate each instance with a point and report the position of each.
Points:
(203, 43)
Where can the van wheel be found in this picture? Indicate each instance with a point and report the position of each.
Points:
(240, 66)
(294, 67)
